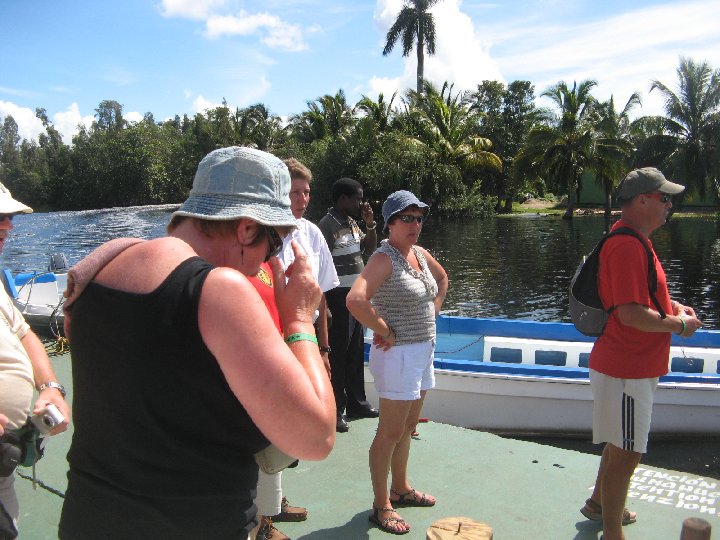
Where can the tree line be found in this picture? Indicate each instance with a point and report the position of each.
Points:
(468, 153)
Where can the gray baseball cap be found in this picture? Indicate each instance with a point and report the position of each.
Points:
(238, 182)
(646, 180)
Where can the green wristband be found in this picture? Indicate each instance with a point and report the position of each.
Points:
(292, 338)
(681, 332)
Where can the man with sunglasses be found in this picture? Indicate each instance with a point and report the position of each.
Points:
(24, 367)
(348, 244)
(633, 351)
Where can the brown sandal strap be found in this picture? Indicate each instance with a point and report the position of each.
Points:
(398, 520)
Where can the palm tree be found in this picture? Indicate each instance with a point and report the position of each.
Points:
(415, 24)
(687, 145)
(259, 128)
(380, 112)
(449, 129)
(614, 144)
(563, 149)
(327, 116)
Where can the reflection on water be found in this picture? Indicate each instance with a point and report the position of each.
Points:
(509, 266)
(520, 267)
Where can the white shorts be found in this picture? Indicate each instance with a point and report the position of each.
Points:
(621, 410)
(403, 371)
(269, 493)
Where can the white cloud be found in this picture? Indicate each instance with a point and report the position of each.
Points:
(220, 21)
(66, 122)
(460, 56)
(13, 91)
(120, 76)
(276, 33)
(622, 54)
(190, 9)
(287, 37)
(133, 116)
(386, 11)
(29, 126)
(200, 104)
(246, 92)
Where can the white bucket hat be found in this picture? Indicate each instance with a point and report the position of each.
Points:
(8, 205)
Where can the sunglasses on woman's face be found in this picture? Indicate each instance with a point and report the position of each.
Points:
(407, 218)
(274, 240)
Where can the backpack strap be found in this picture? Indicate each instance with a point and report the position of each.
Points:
(652, 273)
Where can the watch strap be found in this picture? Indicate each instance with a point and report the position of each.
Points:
(53, 384)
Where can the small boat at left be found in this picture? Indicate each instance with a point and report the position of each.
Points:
(39, 295)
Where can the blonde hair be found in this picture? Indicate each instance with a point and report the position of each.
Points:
(298, 170)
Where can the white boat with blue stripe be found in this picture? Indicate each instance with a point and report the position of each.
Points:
(527, 377)
(39, 295)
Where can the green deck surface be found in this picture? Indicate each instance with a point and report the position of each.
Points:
(522, 489)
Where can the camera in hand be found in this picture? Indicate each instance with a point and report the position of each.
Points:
(47, 419)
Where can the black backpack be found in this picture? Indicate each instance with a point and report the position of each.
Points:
(586, 309)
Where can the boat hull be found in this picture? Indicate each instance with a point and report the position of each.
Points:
(524, 397)
(39, 297)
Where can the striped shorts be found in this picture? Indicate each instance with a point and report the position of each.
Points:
(621, 410)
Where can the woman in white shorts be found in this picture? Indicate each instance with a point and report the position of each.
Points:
(398, 295)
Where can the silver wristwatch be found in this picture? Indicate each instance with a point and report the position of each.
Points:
(52, 384)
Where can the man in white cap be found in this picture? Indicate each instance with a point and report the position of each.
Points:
(632, 353)
(24, 367)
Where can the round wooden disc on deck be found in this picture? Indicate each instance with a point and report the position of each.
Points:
(459, 528)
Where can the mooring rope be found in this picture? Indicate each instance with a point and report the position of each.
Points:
(461, 348)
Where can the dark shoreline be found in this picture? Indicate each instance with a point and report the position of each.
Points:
(691, 454)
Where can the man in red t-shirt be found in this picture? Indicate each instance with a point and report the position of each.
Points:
(633, 351)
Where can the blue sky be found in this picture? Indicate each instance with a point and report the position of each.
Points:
(173, 57)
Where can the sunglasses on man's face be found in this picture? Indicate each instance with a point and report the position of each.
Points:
(8, 216)
(407, 218)
(662, 197)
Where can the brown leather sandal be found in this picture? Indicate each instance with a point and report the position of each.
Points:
(411, 498)
(387, 523)
(593, 511)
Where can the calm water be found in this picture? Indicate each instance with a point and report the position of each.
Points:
(511, 266)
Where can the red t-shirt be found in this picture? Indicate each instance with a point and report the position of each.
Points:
(622, 351)
(263, 282)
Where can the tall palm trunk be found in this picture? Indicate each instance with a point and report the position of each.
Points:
(608, 204)
(421, 61)
(572, 185)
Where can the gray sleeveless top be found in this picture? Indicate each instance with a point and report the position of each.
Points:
(405, 299)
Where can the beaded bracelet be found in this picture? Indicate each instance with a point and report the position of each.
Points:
(292, 338)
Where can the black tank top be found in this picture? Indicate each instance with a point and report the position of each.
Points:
(161, 446)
